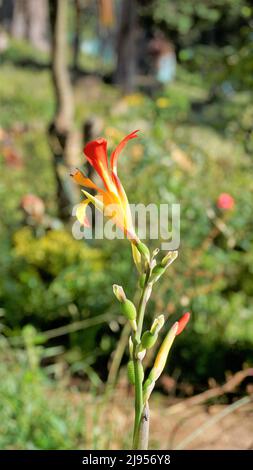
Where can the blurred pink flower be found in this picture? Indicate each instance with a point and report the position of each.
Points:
(33, 205)
(225, 201)
(12, 157)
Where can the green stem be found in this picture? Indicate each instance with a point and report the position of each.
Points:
(138, 369)
(138, 400)
(141, 310)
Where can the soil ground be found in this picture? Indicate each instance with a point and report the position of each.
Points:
(199, 427)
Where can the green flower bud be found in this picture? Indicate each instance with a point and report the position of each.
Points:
(136, 257)
(157, 325)
(148, 340)
(127, 307)
(155, 252)
(130, 372)
(158, 270)
(128, 310)
(143, 249)
(119, 293)
(169, 258)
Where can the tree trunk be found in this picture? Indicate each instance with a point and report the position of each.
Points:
(19, 23)
(126, 48)
(61, 129)
(37, 12)
(77, 34)
(29, 19)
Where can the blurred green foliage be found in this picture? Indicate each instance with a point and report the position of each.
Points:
(213, 37)
(42, 272)
(35, 412)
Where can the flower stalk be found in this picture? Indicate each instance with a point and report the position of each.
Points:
(142, 341)
(150, 270)
(137, 360)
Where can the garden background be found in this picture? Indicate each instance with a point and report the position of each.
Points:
(182, 73)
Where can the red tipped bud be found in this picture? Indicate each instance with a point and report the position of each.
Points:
(182, 322)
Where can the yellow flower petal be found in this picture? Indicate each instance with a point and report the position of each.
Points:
(81, 213)
(98, 203)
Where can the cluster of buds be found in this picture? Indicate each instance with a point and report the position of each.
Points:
(154, 270)
(148, 340)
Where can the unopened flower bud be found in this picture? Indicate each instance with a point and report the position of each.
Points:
(163, 352)
(136, 257)
(128, 309)
(143, 249)
(182, 322)
(148, 340)
(157, 272)
(155, 252)
(169, 258)
(157, 324)
(119, 293)
(160, 268)
(130, 372)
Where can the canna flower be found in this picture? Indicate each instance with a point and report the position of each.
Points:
(112, 195)
(111, 199)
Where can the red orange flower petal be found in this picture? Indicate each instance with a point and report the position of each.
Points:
(81, 179)
(96, 154)
(119, 148)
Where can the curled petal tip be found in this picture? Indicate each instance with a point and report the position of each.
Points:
(119, 148)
